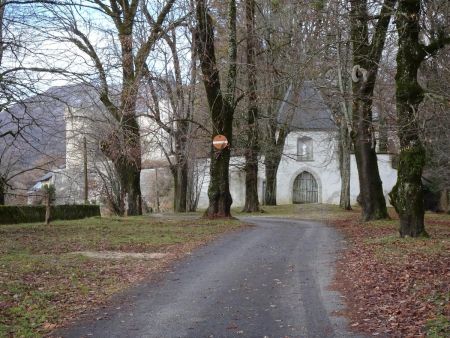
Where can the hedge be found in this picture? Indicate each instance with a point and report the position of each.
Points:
(36, 213)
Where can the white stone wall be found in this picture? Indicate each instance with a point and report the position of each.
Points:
(388, 176)
(237, 183)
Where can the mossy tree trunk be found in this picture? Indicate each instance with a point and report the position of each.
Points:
(407, 196)
(252, 151)
(366, 58)
(221, 106)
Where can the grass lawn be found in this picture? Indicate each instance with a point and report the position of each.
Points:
(45, 282)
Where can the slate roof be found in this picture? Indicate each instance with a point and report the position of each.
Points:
(305, 109)
(39, 182)
(45, 177)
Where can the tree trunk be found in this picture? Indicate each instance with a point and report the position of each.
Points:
(271, 165)
(2, 191)
(157, 191)
(197, 171)
(221, 108)
(129, 176)
(47, 207)
(182, 169)
(372, 198)
(344, 125)
(251, 183)
(218, 192)
(274, 147)
(344, 165)
(407, 194)
(85, 172)
(128, 164)
(181, 186)
(383, 136)
(444, 200)
(130, 173)
(251, 154)
(181, 114)
(366, 59)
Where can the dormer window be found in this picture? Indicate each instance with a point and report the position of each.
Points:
(305, 149)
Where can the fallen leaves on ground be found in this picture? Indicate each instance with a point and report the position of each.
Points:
(395, 287)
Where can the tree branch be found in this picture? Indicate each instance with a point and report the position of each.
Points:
(86, 46)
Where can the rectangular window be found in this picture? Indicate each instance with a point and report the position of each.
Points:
(304, 149)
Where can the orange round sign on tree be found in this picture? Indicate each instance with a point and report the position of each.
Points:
(220, 142)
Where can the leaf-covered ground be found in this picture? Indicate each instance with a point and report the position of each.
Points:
(43, 284)
(396, 287)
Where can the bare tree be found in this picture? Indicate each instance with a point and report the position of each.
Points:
(23, 73)
(252, 149)
(123, 146)
(343, 117)
(179, 92)
(367, 48)
(221, 104)
(336, 86)
(292, 36)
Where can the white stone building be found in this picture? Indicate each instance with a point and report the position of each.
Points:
(309, 168)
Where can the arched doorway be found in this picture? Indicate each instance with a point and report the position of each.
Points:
(305, 189)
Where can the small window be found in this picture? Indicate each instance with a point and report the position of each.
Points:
(304, 149)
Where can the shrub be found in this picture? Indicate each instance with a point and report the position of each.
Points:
(36, 213)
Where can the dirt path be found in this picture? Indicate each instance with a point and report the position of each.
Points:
(270, 280)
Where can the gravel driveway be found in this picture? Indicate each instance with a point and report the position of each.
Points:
(270, 280)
